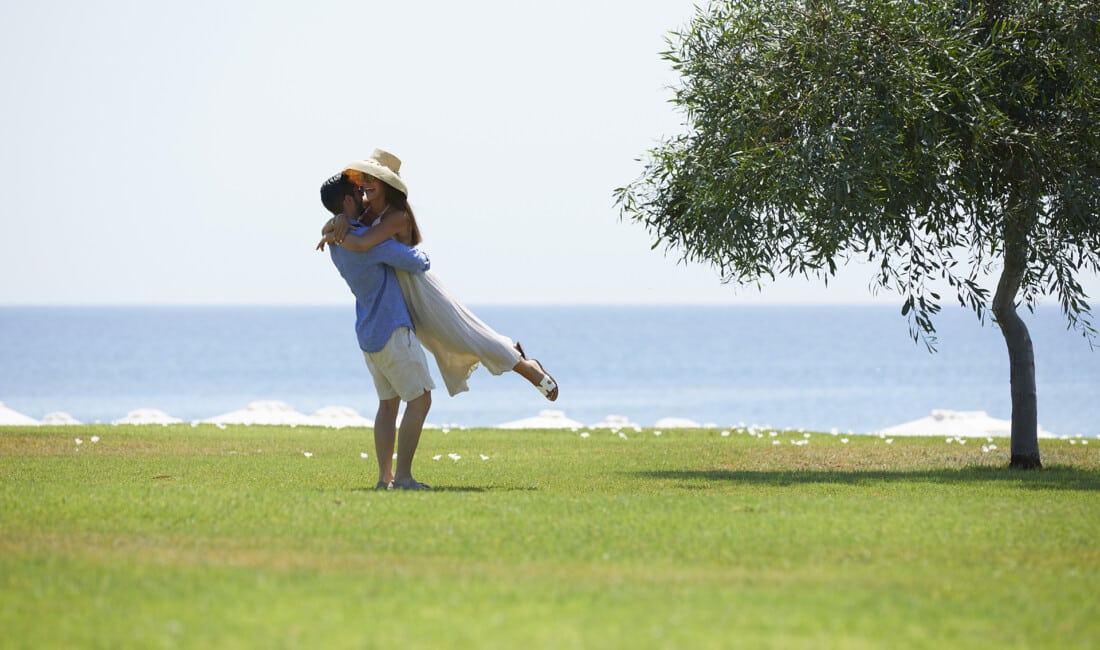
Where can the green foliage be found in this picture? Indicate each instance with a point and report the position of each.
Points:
(185, 537)
(907, 133)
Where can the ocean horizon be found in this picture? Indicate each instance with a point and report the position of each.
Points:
(853, 368)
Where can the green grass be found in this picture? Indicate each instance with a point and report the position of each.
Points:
(182, 537)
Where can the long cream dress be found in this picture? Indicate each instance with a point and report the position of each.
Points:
(457, 338)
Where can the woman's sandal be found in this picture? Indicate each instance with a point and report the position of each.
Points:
(547, 384)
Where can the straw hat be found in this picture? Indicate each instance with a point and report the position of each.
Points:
(382, 165)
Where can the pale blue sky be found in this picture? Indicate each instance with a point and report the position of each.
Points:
(170, 152)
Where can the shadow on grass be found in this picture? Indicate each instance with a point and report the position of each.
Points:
(1052, 478)
(452, 488)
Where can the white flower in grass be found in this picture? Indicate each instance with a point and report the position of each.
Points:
(437, 456)
(985, 449)
(725, 434)
(949, 440)
(483, 457)
(307, 454)
(656, 433)
(623, 436)
(776, 442)
(363, 454)
(454, 457)
(1084, 442)
(961, 441)
(805, 435)
(1073, 442)
(79, 441)
(889, 441)
(992, 447)
(584, 434)
(843, 441)
(94, 438)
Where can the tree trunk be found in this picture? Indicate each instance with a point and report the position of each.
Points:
(1021, 355)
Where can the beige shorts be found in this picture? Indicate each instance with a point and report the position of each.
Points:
(400, 369)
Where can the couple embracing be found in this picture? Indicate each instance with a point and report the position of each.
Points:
(400, 305)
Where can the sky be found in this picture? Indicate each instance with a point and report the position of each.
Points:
(171, 152)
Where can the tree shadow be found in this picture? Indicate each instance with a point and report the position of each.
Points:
(1050, 478)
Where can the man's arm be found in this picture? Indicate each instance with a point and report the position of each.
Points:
(401, 257)
(391, 226)
(371, 238)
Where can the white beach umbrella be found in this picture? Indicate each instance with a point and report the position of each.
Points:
(546, 419)
(615, 422)
(59, 418)
(963, 424)
(264, 412)
(9, 417)
(338, 417)
(147, 416)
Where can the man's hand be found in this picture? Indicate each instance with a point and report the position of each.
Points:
(326, 234)
(340, 226)
(334, 231)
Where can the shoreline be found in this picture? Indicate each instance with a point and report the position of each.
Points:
(940, 423)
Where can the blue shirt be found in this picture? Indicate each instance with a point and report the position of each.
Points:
(379, 304)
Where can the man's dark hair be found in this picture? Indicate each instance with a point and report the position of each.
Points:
(333, 192)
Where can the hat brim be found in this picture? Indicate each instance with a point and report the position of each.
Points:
(381, 172)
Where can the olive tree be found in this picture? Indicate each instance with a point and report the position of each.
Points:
(938, 140)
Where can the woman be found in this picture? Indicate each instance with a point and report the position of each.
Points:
(457, 338)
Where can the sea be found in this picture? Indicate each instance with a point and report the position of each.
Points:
(820, 368)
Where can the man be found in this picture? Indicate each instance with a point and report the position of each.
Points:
(386, 336)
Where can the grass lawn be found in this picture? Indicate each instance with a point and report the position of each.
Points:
(200, 537)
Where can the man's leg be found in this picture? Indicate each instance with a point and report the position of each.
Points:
(385, 430)
(412, 424)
